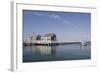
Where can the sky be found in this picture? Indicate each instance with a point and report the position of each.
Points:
(68, 26)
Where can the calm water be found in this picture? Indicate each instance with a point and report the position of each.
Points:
(54, 53)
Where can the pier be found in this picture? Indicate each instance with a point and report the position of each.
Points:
(53, 43)
(49, 39)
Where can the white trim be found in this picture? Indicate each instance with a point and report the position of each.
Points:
(17, 35)
(13, 37)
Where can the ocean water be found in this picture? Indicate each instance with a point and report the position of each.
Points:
(56, 53)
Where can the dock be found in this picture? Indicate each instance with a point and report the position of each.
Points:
(53, 43)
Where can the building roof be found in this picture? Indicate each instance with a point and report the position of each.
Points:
(49, 34)
(36, 35)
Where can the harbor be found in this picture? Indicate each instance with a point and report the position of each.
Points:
(56, 35)
(49, 39)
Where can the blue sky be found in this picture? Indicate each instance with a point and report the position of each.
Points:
(68, 26)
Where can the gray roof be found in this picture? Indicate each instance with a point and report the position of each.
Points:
(35, 35)
(49, 34)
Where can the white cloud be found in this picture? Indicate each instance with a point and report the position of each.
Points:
(54, 16)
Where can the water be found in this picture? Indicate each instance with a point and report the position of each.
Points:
(56, 53)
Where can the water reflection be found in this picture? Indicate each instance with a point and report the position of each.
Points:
(52, 53)
(44, 50)
(86, 47)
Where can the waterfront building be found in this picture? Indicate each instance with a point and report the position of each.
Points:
(48, 37)
(35, 38)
